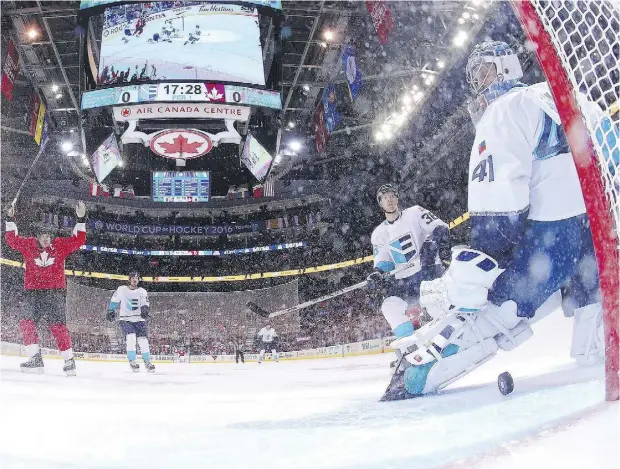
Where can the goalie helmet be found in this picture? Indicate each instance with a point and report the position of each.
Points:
(492, 70)
(386, 188)
(479, 67)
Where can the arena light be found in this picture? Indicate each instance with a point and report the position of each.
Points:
(55, 88)
(441, 64)
(418, 96)
(476, 16)
(32, 33)
(323, 44)
(328, 35)
(291, 125)
(466, 15)
(407, 99)
(399, 119)
(58, 96)
(120, 163)
(306, 87)
(295, 145)
(461, 21)
(429, 80)
(379, 136)
(67, 146)
(459, 39)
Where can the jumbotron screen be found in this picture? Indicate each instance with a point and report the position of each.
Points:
(181, 186)
(157, 41)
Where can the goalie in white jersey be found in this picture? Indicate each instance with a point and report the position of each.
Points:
(530, 236)
(268, 340)
(132, 302)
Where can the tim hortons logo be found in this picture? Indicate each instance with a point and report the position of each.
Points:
(181, 144)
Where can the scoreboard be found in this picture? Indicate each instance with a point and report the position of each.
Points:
(181, 186)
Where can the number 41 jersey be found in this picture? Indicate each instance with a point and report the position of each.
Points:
(521, 160)
(397, 244)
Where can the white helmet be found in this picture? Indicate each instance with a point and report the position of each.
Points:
(507, 67)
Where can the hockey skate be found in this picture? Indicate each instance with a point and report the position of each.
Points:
(149, 367)
(134, 366)
(34, 365)
(69, 367)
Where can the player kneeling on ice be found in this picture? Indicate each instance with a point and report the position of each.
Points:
(268, 340)
(133, 303)
(45, 286)
(530, 236)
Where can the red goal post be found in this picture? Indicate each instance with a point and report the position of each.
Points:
(577, 45)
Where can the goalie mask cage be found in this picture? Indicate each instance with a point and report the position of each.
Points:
(577, 44)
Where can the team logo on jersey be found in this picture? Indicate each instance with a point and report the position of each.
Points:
(403, 249)
(132, 304)
(44, 260)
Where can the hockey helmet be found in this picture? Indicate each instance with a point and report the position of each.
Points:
(479, 66)
(384, 189)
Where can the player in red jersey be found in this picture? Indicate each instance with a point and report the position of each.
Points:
(46, 286)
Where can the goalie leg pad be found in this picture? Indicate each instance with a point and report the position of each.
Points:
(588, 346)
(455, 363)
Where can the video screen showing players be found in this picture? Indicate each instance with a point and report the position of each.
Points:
(181, 41)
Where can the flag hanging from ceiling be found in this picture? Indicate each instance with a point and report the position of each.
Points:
(10, 70)
(382, 19)
(354, 76)
(332, 116)
(106, 158)
(320, 129)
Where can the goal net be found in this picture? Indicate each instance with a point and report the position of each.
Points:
(577, 44)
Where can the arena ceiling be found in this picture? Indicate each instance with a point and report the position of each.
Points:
(400, 127)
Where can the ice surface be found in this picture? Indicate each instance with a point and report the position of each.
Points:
(310, 414)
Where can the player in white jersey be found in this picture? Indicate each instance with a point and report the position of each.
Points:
(268, 339)
(530, 236)
(413, 240)
(133, 304)
(193, 36)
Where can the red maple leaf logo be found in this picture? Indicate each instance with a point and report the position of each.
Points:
(125, 112)
(181, 145)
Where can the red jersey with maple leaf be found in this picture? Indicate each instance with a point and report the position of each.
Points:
(45, 268)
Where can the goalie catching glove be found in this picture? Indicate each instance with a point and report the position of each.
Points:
(464, 286)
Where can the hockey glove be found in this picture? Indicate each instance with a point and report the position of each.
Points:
(144, 312)
(378, 280)
(428, 252)
(111, 315)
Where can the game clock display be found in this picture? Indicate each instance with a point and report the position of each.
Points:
(181, 186)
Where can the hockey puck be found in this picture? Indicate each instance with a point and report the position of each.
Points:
(505, 383)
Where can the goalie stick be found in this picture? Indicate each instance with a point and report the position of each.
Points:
(262, 312)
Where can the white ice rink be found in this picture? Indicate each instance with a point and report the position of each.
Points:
(310, 414)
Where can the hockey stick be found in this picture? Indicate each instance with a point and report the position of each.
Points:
(261, 312)
(36, 158)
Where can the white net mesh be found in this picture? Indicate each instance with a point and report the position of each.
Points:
(585, 35)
